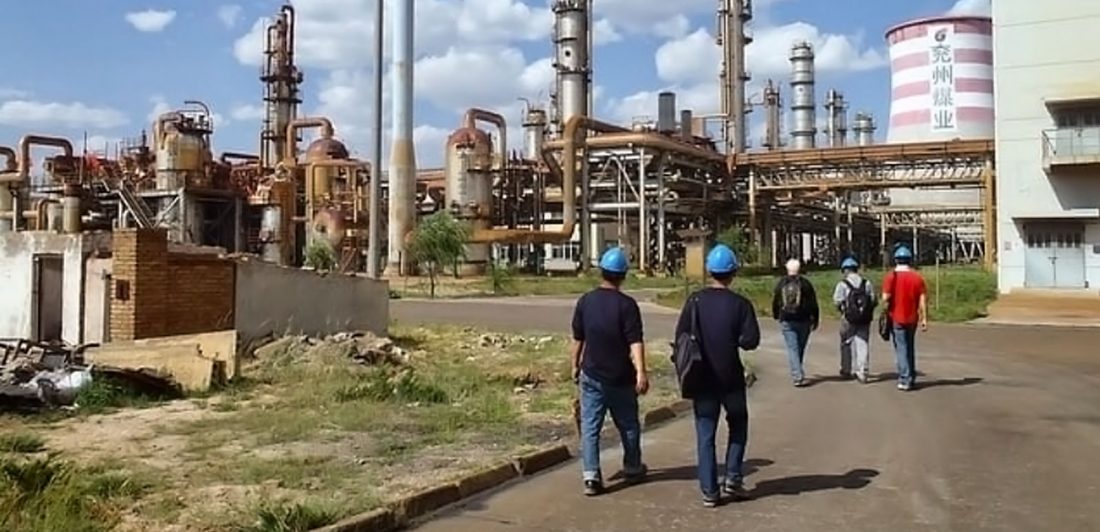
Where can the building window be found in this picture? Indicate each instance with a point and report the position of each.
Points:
(1078, 116)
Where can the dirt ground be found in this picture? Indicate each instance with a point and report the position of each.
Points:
(341, 425)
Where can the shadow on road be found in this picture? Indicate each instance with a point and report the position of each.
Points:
(967, 381)
(852, 480)
(689, 472)
(814, 381)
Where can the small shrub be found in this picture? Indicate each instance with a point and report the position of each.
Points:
(47, 494)
(381, 386)
(21, 443)
(320, 256)
(103, 395)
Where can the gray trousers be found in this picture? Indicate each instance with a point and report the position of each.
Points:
(855, 340)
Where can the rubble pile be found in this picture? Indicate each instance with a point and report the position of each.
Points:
(360, 347)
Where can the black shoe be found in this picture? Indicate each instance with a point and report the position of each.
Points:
(735, 489)
(634, 477)
(711, 501)
(593, 488)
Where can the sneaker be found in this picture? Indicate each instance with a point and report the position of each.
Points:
(637, 475)
(593, 488)
(862, 378)
(844, 375)
(800, 383)
(735, 489)
(710, 501)
(905, 387)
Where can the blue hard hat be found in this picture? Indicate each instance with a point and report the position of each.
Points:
(849, 263)
(614, 261)
(903, 252)
(722, 260)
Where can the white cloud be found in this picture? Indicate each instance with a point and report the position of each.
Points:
(230, 15)
(672, 28)
(972, 7)
(646, 16)
(160, 106)
(480, 77)
(605, 33)
(150, 20)
(73, 115)
(10, 93)
(247, 112)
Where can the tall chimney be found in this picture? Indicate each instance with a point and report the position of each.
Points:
(402, 178)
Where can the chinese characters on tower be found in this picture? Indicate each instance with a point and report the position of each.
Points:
(942, 82)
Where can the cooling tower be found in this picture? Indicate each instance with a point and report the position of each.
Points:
(942, 89)
(941, 79)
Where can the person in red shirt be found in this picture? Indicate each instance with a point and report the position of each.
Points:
(906, 300)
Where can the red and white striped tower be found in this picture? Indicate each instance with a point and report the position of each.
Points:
(941, 79)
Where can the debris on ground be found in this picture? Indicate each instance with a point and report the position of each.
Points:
(37, 374)
(360, 347)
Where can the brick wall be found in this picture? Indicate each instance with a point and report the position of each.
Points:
(157, 293)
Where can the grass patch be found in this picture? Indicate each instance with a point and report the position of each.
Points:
(21, 443)
(956, 294)
(48, 494)
(297, 517)
(105, 396)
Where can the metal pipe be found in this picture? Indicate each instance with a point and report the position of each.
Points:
(232, 155)
(39, 213)
(568, 190)
(70, 205)
(10, 164)
(374, 221)
(320, 122)
(475, 114)
(402, 178)
(38, 140)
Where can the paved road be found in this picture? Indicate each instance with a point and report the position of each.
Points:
(1004, 435)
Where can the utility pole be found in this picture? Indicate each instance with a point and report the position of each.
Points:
(374, 238)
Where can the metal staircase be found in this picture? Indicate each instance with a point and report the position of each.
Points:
(145, 217)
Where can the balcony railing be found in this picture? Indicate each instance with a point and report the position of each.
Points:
(1071, 146)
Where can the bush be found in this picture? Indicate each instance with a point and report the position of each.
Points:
(738, 240)
(21, 443)
(501, 278)
(296, 518)
(439, 241)
(320, 256)
(48, 495)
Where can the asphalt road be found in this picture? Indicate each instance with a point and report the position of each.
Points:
(1004, 434)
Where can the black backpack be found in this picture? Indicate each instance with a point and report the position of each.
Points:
(859, 306)
(791, 296)
(687, 354)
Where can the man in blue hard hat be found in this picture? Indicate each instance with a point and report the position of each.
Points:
(722, 323)
(854, 296)
(609, 364)
(906, 299)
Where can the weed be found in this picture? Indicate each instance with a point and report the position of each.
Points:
(293, 518)
(102, 395)
(405, 386)
(21, 443)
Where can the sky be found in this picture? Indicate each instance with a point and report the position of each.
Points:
(116, 65)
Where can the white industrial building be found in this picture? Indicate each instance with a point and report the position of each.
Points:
(1047, 87)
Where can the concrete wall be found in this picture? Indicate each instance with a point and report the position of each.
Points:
(17, 252)
(272, 299)
(1042, 51)
(97, 300)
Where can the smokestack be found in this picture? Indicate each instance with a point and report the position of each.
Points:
(803, 105)
(838, 118)
(772, 107)
(685, 125)
(666, 112)
(402, 178)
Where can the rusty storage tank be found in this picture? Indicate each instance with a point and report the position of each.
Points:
(181, 151)
(320, 181)
(467, 170)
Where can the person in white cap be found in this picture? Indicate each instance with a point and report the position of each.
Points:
(794, 305)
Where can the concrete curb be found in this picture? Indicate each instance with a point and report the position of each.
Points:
(400, 514)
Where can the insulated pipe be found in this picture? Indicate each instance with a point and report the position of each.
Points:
(70, 209)
(39, 213)
(568, 190)
(470, 121)
(38, 140)
(11, 159)
(322, 123)
(235, 156)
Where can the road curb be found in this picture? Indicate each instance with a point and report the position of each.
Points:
(400, 514)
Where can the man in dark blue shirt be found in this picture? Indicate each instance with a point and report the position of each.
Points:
(727, 322)
(609, 365)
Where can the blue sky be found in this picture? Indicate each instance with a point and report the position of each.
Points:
(118, 63)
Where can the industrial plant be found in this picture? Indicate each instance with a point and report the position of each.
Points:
(574, 184)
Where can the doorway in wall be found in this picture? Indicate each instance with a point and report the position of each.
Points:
(1055, 256)
(48, 275)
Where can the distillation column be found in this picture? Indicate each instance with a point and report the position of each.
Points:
(864, 128)
(402, 178)
(772, 115)
(803, 105)
(281, 79)
(573, 72)
(733, 15)
(837, 109)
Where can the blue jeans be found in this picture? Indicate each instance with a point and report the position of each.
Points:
(707, 411)
(905, 349)
(796, 334)
(596, 399)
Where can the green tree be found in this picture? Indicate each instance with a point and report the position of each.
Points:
(501, 276)
(320, 256)
(737, 239)
(439, 241)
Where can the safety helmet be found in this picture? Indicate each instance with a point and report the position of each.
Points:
(849, 263)
(722, 260)
(614, 261)
(903, 252)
